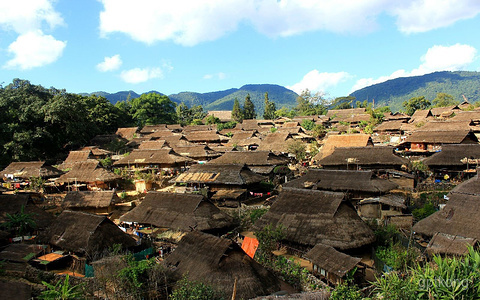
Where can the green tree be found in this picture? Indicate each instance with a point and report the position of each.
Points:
(192, 290)
(62, 290)
(212, 120)
(298, 149)
(269, 109)
(152, 109)
(249, 109)
(345, 102)
(21, 223)
(186, 115)
(237, 114)
(415, 103)
(285, 112)
(311, 104)
(443, 100)
(308, 124)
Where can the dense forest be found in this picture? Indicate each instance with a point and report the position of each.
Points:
(394, 92)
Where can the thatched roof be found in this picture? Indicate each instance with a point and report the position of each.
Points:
(243, 138)
(331, 260)
(343, 140)
(223, 115)
(21, 253)
(196, 151)
(127, 132)
(445, 126)
(389, 199)
(276, 141)
(363, 156)
(12, 204)
(96, 150)
(152, 157)
(97, 199)
(442, 137)
(344, 113)
(190, 128)
(26, 170)
(84, 233)
(219, 262)
(342, 180)
(460, 214)
(437, 111)
(250, 158)
(15, 290)
(420, 115)
(155, 144)
(210, 136)
(148, 129)
(229, 174)
(317, 217)
(87, 171)
(228, 194)
(178, 211)
(249, 125)
(442, 243)
(161, 134)
(75, 157)
(473, 115)
(395, 116)
(455, 155)
(394, 125)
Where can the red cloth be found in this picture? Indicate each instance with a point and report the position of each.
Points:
(250, 246)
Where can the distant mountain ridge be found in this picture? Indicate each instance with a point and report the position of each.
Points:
(221, 100)
(393, 92)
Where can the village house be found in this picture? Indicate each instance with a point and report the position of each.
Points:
(95, 202)
(276, 142)
(311, 217)
(18, 174)
(428, 142)
(260, 162)
(88, 175)
(455, 160)
(199, 153)
(382, 208)
(154, 159)
(74, 157)
(128, 133)
(351, 115)
(222, 264)
(179, 212)
(333, 141)
(208, 136)
(245, 140)
(223, 115)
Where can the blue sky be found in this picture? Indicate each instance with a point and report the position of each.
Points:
(329, 46)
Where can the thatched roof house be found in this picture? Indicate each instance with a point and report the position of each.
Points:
(276, 142)
(394, 126)
(261, 162)
(190, 128)
(12, 204)
(438, 111)
(330, 263)
(460, 214)
(128, 133)
(88, 172)
(472, 116)
(99, 202)
(223, 115)
(208, 136)
(219, 176)
(343, 140)
(455, 157)
(442, 243)
(161, 158)
(178, 212)
(25, 170)
(84, 233)
(350, 115)
(342, 181)
(153, 145)
(317, 217)
(363, 157)
(421, 115)
(249, 125)
(149, 129)
(219, 263)
(432, 141)
(196, 152)
(75, 157)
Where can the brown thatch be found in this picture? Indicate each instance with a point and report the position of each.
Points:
(149, 129)
(261, 162)
(160, 157)
(342, 180)
(223, 115)
(12, 204)
(161, 134)
(128, 133)
(26, 170)
(228, 194)
(460, 214)
(75, 157)
(317, 217)
(331, 260)
(343, 140)
(87, 171)
(152, 145)
(438, 111)
(442, 137)
(84, 233)
(365, 157)
(21, 253)
(190, 128)
(396, 116)
(390, 199)
(219, 263)
(229, 174)
(197, 152)
(243, 138)
(179, 212)
(421, 115)
(445, 126)
(455, 155)
(209, 136)
(15, 290)
(442, 243)
(276, 142)
(337, 115)
(98, 199)
(386, 126)
(473, 115)
(249, 125)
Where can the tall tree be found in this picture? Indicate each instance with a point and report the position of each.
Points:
(237, 114)
(152, 109)
(249, 109)
(269, 109)
(443, 100)
(414, 104)
(311, 104)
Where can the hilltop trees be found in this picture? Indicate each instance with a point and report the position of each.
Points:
(414, 104)
(444, 99)
(269, 109)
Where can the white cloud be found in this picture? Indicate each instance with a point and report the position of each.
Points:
(316, 81)
(110, 63)
(219, 76)
(23, 16)
(34, 49)
(191, 22)
(424, 15)
(138, 75)
(438, 58)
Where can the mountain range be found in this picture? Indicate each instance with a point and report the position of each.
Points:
(392, 93)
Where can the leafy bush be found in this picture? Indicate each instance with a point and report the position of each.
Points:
(424, 211)
(257, 214)
(308, 124)
(396, 256)
(193, 290)
(62, 290)
(344, 291)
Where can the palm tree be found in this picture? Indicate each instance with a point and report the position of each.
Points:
(22, 223)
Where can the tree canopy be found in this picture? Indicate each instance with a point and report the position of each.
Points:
(414, 104)
(249, 109)
(153, 108)
(269, 109)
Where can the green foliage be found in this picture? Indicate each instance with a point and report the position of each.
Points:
(314, 148)
(424, 211)
(414, 104)
(268, 238)
(273, 129)
(344, 102)
(186, 116)
(237, 113)
(62, 290)
(311, 104)
(22, 223)
(257, 214)
(37, 183)
(298, 149)
(193, 290)
(346, 291)
(135, 275)
(290, 271)
(418, 165)
(396, 256)
(308, 124)
(384, 235)
(249, 109)
(212, 120)
(285, 112)
(106, 162)
(392, 286)
(319, 131)
(269, 109)
(152, 109)
(282, 170)
(227, 125)
(443, 100)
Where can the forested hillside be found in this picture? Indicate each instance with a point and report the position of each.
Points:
(394, 92)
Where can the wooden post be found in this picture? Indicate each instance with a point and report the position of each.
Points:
(234, 294)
